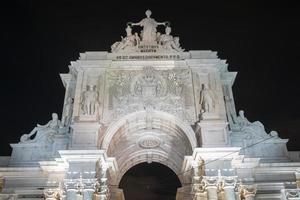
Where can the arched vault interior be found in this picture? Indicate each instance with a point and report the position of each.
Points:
(149, 137)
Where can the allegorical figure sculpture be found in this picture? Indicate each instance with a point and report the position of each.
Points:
(149, 27)
(129, 41)
(44, 133)
(68, 111)
(89, 103)
(168, 42)
(149, 39)
(241, 120)
(206, 100)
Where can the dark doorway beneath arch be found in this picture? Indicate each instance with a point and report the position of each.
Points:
(152, 181)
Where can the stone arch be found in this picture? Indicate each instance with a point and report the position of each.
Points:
(150, 180)
(149, 137)
(185, 128)
(140, 157)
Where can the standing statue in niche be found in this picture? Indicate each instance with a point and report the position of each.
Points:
(149, 27)
(206, 100)
(44, 133)
(68, 111)
(89, 103)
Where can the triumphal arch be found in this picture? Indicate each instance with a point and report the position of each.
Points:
(149, 100)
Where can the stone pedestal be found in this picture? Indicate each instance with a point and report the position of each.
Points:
(29, 154)
(85, 135)
(212, 133)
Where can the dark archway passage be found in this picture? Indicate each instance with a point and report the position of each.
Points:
(152, 181)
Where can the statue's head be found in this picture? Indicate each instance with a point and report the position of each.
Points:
(148, 13)
(168, 30)
(128, 30)
(54, 116)
(241, 113)
(176, 40)
(70, 100)
(90, 87)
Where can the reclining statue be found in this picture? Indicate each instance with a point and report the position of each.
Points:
(44, 133)
(131, 40)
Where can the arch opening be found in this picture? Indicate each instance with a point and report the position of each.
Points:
(149, 181)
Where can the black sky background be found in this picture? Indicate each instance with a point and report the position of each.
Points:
(40, 38)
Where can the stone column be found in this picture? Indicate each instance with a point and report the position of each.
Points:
(102, 191)
(229, 192)
(211, 186)
(212, 192)
(88, 194)
(237, 195)
(1, 184)
(228, 185)
(199, 191)
(71, 194)
(297, 174)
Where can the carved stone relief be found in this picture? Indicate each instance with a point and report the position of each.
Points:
(89, 103)
(206, 95)
(149, 89)
(92, 92)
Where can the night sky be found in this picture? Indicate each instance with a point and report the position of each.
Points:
(40, 38)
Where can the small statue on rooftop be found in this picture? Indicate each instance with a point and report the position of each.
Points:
(129, 41)
(149, 27)
(44, 133)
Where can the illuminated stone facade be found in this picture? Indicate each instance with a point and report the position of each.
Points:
(149, 100)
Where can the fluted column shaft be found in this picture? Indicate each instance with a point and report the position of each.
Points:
(212, 192)
(229, 193)
(71, 194)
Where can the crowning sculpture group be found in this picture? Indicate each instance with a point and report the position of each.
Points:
(148, 36)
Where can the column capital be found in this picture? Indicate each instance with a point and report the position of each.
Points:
(210, 181)
(51, 194)
(292, 194)
(248, 191)
(228, 182)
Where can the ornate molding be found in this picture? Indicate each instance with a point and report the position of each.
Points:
(149, 142)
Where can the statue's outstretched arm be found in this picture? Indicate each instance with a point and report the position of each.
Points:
(161, 23)
(44, 126)
(134, 24)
